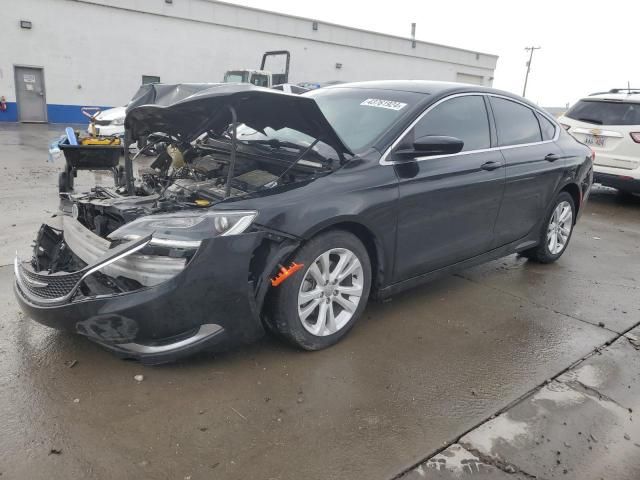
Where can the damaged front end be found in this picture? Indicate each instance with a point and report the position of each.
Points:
(141, 302)
(166, 266)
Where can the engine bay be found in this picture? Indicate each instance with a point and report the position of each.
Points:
(194, 175)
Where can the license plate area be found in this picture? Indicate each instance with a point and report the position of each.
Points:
(595, 140)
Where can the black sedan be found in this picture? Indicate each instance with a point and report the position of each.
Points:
(265, 210)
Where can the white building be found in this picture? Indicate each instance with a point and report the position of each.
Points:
(59, 55)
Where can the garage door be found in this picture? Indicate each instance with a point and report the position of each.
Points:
(468, 78)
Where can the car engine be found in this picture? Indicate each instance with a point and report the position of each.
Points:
(181, 177)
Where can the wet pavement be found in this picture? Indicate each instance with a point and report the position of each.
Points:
(579, 425)
(418, 376)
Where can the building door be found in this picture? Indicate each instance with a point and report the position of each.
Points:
(30, 94)
(468, 78)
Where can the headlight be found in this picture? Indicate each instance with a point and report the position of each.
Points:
(185, 229)
(117, 121)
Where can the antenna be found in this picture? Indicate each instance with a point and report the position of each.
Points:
(526, 78)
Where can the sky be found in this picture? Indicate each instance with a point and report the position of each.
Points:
(586, 46)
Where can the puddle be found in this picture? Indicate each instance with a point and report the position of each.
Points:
(456, 460)
(560, 394)
(500, 429)
(588, 375)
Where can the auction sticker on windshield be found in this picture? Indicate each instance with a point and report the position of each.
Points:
(390, 104)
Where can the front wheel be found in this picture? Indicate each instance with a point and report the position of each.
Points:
(318, 305)
(555, 236)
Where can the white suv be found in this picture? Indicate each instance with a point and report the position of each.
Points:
(610, 124)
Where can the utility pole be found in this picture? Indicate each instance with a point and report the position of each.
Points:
(526, 78)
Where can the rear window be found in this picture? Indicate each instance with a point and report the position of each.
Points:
(516, 124)
(601, 112)
(548, 128)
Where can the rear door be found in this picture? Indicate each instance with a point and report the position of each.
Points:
(448, 203)
(534, 167)
(30, 95)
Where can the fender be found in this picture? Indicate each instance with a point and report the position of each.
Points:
(359, 227)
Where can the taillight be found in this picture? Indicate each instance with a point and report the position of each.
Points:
(565, 126)
(593, 155)
(635, 136)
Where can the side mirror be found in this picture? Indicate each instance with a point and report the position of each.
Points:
(431, 145)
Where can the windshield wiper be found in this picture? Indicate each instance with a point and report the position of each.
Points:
(275, 143)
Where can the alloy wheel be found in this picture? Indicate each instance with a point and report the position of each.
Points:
(559, 229)
(330, 292)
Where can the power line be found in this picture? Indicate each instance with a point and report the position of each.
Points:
(526, 78)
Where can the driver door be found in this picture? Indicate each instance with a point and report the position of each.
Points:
(448, 204)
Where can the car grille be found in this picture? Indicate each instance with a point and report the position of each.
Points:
(58, 288)
(47, 287)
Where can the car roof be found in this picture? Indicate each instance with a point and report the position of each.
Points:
(616, 97)
(418, 86)
(429, 87)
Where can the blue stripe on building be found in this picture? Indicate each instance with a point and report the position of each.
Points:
(10, 114)
(55, 113)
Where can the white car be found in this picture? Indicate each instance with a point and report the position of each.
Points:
(610, 124)
(290, 88)
(110, 122)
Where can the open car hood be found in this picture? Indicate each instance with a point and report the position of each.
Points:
(165, 93)
(207, 109)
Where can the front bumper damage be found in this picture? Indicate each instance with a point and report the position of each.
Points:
(209, 303)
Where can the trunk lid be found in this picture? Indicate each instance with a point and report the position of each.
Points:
(606, 124)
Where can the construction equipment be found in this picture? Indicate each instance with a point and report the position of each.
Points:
(262, 77)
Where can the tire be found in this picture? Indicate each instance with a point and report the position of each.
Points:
(625, 195)
(547, 251)
(121, 178)
(300, 324)
(62, 182)
(65, 182)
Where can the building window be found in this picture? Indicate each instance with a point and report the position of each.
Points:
(150, 79)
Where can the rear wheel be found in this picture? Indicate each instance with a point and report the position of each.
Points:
(555, 236)
(317, 306)
(65, 181)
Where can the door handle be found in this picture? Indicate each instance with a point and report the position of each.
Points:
(491, 165)
(552, 157)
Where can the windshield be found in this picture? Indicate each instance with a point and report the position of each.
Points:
(359, 116)
(260, 80)
(286, 141)
(236, 77)
(601, 112)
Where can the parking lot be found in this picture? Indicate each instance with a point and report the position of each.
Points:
(424, 371)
